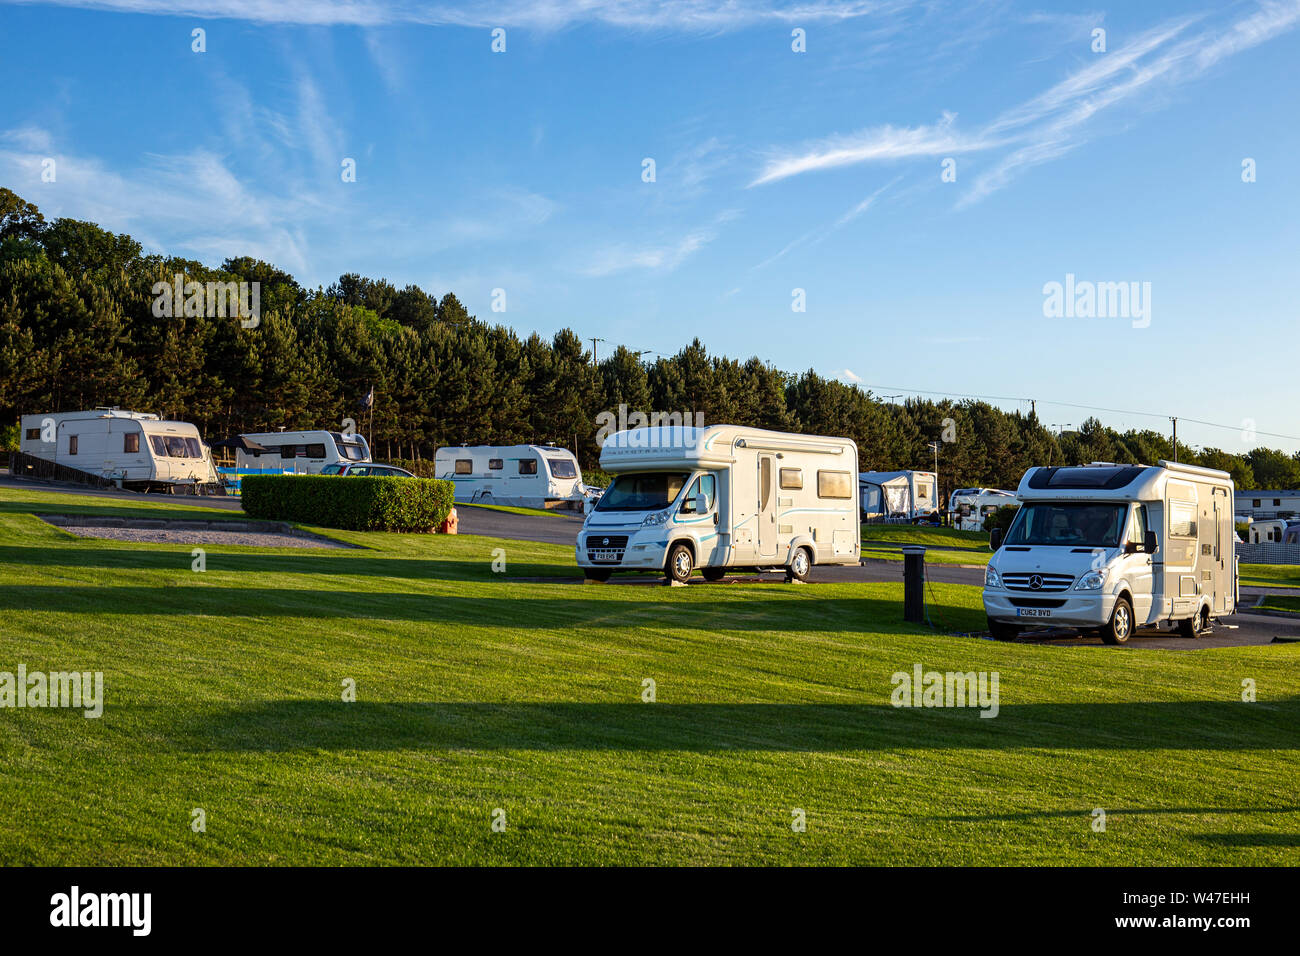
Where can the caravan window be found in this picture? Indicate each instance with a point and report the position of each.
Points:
(131, 443)
(33, 434)
(194, 448)
(464, 466)
(527, 466)
(1182, 518)
(311, 451)
(72, 444)
(834, 484)
(159, 446)
(496, 464)
(175, 446)
(561, 468)
(791, 479)
(350, 451)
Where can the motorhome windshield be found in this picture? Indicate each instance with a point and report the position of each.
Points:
(1075, 524)
(561, 468)
(647, 492)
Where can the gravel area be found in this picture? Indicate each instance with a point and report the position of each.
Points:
(165, 536)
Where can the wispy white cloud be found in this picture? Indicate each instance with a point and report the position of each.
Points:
(1058, 120)
(815, 236)
(688, 15)
(659, 256)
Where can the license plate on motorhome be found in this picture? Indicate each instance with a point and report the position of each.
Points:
(610, 556)
(1032, 612)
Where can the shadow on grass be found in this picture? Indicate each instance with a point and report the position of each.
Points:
(743, 612)
(312, 725)
(1116, 812)
(324, 561)
(1249, 839)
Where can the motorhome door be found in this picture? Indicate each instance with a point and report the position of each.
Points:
(766, 507)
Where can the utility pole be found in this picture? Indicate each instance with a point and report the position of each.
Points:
(593, 350)
(934, 447)
(1175, 421)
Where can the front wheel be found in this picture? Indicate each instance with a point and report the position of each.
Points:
(680, 564)
(1001, 631)
(1120, 627)
(800, 566)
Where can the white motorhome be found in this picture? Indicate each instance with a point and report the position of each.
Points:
(722, 497)
(309, 452)
(900, 496)
(1115, 547)
(968, 507)
(138, 450)
(528, 476)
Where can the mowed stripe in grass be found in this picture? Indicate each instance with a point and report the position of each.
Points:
(523, 691)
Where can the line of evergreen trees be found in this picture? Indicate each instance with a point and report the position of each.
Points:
(78, 330)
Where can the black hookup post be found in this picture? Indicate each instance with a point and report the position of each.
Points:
(914, 583)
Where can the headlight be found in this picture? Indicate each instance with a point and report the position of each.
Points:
(991, 579)
(656, 519)
(1092, 581)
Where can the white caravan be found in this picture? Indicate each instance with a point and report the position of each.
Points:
(308, 452)
(138, 450)
(900, 496)
(527, 476)
(1262, 532)
(968, 507)
(1115, 547)
(722, 497)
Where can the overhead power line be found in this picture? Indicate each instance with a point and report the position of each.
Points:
(1088, 408)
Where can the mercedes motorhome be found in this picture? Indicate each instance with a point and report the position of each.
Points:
(138, 450)
(1112, 548)
(719, 498)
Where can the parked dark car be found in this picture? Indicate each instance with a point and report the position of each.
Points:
(365, 469)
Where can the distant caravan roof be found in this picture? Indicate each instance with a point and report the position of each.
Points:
(683, 446)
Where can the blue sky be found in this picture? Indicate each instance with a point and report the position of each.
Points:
(775, 171)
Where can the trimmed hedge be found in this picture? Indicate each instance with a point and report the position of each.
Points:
(353, 504)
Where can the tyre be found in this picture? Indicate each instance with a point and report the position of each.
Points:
(596, 574)
(1001, 631)
(713, 574)
(1192, 627)
(680, 563)
(800, 565)
(1120, 627)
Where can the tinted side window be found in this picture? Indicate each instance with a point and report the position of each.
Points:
(527, 466)
(495, 464)
(464, 466)
(131, 443)
(834, 484)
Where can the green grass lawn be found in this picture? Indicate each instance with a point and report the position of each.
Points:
(1277, 602)
(900, 534)
(1270, 575)
(515, 510)
(932, 556)
(522, 691)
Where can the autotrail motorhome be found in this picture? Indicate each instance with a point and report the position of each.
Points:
(722, 497)
(1115, 547)
(308, 452)
(138, 450)
(897, 495)
(968, 507)
(529, 476)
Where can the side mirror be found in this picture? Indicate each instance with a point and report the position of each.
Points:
(1150, 543)
(995, 539)
(701, 504)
